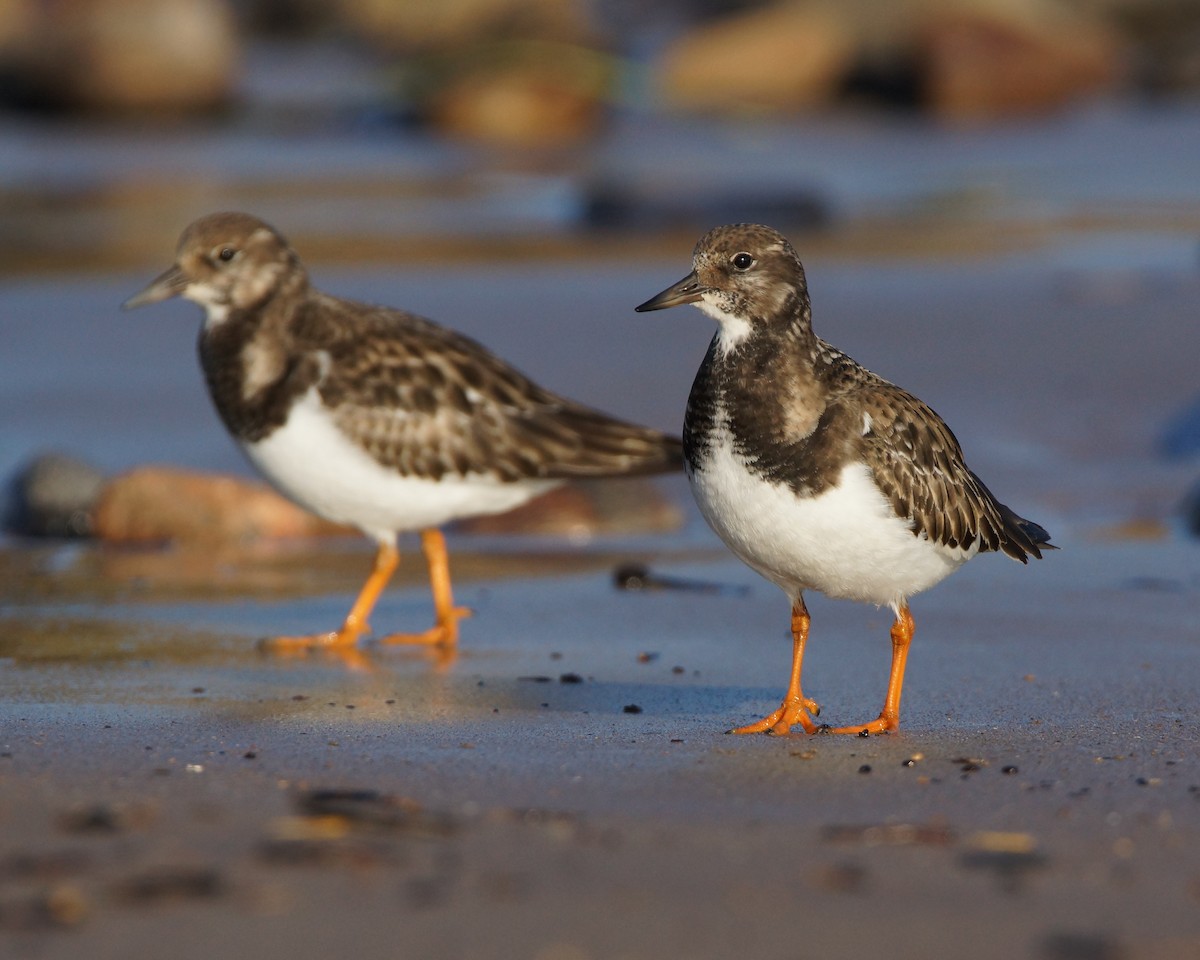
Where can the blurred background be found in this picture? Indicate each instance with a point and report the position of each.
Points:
(997, 202)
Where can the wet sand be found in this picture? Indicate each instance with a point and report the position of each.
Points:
(565, 790)
(1042, 798)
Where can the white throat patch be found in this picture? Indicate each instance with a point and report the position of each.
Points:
(731, 330)
(215, 312)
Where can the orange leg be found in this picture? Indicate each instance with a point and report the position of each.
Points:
(796, 707)
(344, 640)
(444, 632)
(889, 718)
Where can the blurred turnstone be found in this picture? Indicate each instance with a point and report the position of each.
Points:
(817, 473)
(375, 417)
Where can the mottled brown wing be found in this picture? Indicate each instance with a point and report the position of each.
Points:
(430, 402)
(919, 467)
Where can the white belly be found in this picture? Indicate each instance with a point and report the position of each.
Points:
(311, 462)
(845, 543)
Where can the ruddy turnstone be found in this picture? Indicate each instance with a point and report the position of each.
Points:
(817, 473)
(377, 418)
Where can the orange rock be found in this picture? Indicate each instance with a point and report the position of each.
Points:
(162, 55)
(782, 57)
(582, 510)
(166, 504)
(447, 24)
(519, 107)
(988, 63)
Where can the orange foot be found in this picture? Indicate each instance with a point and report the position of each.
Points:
(441, 637)
(793, 711)
(881, 724)
(341, 643)
(444, 633)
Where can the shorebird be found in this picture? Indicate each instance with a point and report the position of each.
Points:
(377, 418)
(817, 473)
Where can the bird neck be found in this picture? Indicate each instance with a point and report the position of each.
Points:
(249, 363)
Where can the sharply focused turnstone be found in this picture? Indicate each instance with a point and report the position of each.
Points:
(375, 417)
(817, 473)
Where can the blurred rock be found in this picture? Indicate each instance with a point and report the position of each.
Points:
(290, 18)
(1135, 529)
(617, 206)
(429, 24)
(1166, 39)
(124, 55)
(522, 105)
(1191, 511)
(1000, 59)
(1180, 437)
(586, 509)
(53, 497)
(779, 58)
(157, 504)
(17, 19)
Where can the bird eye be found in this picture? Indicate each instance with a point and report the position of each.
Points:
(742, 261)
(225, 254)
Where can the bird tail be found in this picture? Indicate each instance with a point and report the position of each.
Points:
(1024, 536)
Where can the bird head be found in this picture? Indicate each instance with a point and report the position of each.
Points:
(225, 261)
(745, 276)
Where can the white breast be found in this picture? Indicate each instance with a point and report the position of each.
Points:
(845, 543)
(313, 463)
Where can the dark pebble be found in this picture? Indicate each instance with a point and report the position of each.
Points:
(631, 576)
(1191, 511)
(1180, 438)
(865, 768)
(374, 808)
(570, 678)
(1010, 770)
(45, 867)
(631, 708)
(612, 206)
(843, 877)
(172, 883)
(1080, 946)
(95, 819)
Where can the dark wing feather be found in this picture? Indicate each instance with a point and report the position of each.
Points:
(919, 467)
(430, 402)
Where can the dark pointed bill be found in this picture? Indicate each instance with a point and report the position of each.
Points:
(687, 290)
(170, 283)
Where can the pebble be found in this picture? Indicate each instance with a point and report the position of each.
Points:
(140, 57)
(781, 57)
(585, 509)
(1011, 61)
(165, 504)
(53, 496)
